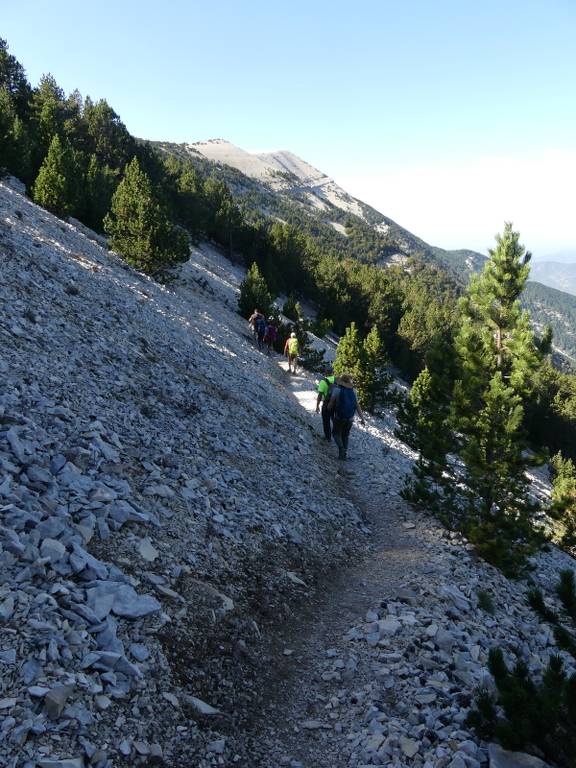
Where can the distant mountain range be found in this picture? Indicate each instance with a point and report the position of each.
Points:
(283, 186)
(567, 256)
(556, 274)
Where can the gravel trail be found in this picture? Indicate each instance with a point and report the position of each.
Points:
(286, 730)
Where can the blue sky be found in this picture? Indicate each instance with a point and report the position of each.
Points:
(449, 117)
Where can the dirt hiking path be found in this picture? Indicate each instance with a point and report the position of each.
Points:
(293, 727)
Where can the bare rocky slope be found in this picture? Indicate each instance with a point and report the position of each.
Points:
(152, 499)
(187, 578)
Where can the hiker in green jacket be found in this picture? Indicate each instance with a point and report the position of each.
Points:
(325, 386)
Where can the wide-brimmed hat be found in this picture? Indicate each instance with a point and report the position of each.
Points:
(345, 380)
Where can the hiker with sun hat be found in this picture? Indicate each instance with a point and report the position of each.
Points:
(344, 405)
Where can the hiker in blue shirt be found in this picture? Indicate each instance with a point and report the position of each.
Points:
(344, 405)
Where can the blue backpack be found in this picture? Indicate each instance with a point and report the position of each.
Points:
(346, 405)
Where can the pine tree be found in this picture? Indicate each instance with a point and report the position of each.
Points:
(7, 116)
(224, 218)
(290, 308)
(55, 186)
(13, 78)
(98, 190)
(48, 114)
(22, 151)
(139, 227)
(189, 202)
(563, 507)
(497, 358)
(254, 293)
(350, 358)
(375, 379)
(424, 424)
(106, 135)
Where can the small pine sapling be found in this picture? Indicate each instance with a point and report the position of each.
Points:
(566, 590)
(485, 601)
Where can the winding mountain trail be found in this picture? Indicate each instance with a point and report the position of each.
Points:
(291, 726)
(380, 664)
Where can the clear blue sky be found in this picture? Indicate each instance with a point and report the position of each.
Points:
(406, 104)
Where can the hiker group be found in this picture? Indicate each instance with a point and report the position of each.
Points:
(338, 404)
(337, 400)
(265, 334)
(264, 331)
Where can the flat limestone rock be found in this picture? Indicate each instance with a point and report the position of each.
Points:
(314, 725)
(147, 550)
(201, 707)
(55, 700)
(408, 746)
(53, 549)
(501, 758)
(121, 599)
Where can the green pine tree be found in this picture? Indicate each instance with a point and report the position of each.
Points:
(529, 715)
(290, 308)
(189, 203)
(350, 358)
(13, 78)
(254, 293)
(139, 227)
(497, 358)
(54, 188)
(424, 424)
(48, 112)
(22, 151)
(98, 190)
(375, 379)
(563, 507)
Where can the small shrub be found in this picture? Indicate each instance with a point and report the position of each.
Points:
(536, 601)
(497, 541)
(485, 601)
(564, 640)
(537, 717)
(566, 590)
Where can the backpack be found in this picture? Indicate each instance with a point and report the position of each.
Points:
(346, 405)
(260, 325)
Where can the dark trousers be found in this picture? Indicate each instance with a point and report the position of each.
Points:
(327, 419)
(341, 432)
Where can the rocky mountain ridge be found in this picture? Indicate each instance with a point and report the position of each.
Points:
(169, 510)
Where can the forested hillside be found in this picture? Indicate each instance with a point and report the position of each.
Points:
(343, 225)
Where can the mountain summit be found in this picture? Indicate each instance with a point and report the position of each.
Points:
(284, 171)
